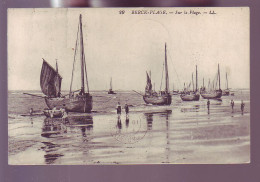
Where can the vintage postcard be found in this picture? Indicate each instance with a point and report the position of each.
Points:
(128, 86)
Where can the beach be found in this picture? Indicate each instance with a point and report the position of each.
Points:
(182, 133)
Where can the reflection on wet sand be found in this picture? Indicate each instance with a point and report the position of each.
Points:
(51, 155)
(127, 121)
(195, 108)
(119, 123)
(149, 119)
(151, 134)
(53, 127)
(57, 127)
(163, 115)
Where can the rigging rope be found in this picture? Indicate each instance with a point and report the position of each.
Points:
(75, 52)
(162, 77)
(175, 70)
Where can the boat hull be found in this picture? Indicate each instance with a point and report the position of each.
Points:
(212, 95)
(226, 93)
(82, 104)
(111, 92)
(158, 100)
(190, 97)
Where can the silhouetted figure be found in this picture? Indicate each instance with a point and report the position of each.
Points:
(242, 106)
(126, 110)
(208, 104)
(232, 105)
(118, 109)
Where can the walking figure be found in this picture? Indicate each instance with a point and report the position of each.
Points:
(118, 109)
(126, 110)
(232, 105)
(242, 106)
(208, 103)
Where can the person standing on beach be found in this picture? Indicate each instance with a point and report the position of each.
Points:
(242, 106)
(208, 103)
(118, 109)
(232, 105)
(126, 109)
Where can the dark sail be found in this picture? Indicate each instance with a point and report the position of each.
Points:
(50, 80)
(148, 88)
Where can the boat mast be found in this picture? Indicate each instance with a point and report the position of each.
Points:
(57, 66)
(209, 85)
(192, 83)
(218, 78)
(111, 83)
(82, 56)
(197, 79)
(227, 80)
(166, 72)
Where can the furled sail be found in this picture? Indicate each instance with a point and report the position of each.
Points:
(148, 88)
(50, 80)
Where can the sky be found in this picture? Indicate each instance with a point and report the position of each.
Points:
(124, 46)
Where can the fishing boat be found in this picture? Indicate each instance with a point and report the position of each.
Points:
(110, 91)
(226, 92)
(213, 93)
(50, 81)
(162, 97)
(191, 95)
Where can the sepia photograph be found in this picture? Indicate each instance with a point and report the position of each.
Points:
(106, 86)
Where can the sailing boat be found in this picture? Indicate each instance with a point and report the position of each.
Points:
(110, 91)
(191, 95)
(163, 97)
(213, 94)
(50, 82)
(226, 92)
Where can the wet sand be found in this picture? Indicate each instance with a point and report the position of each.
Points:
(183, 132)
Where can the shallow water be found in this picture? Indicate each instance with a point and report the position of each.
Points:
(184, 132)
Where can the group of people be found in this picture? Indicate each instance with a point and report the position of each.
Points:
(232, 103)
(119, 109)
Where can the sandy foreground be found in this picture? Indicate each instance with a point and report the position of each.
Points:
(149, 136)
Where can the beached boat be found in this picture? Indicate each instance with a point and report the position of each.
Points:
(226, 92)
(162, 97)
(110, 91)
(191, 95)
(213, 93)
(50, 81)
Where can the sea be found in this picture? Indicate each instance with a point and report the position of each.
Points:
(181, 133)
